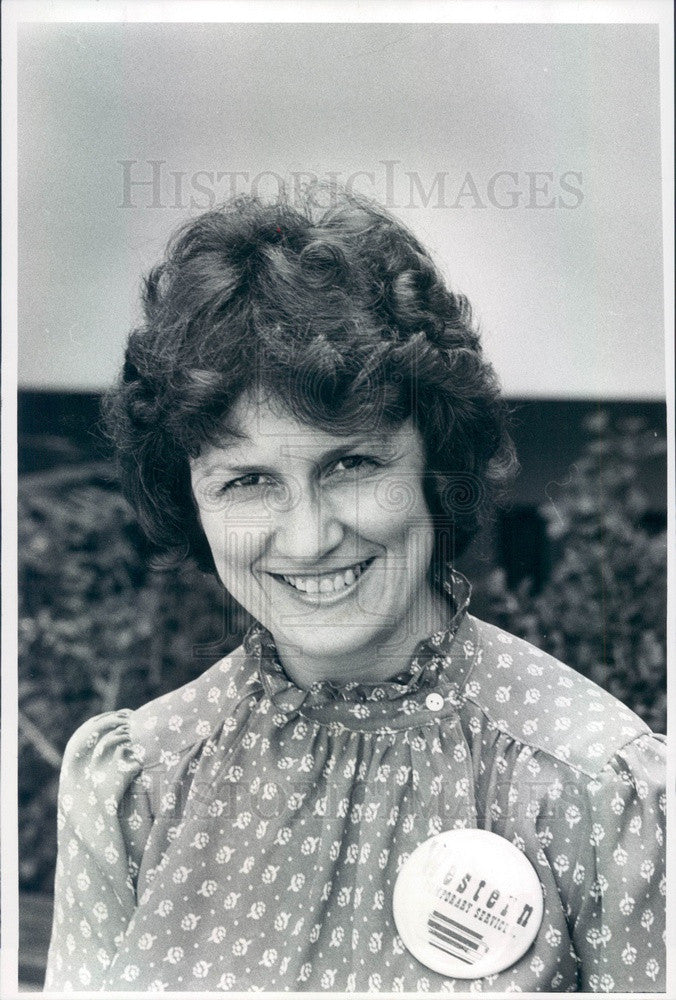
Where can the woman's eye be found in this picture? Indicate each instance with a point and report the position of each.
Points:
(251, 480)
(351, 463)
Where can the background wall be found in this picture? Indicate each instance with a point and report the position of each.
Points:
(546, 137)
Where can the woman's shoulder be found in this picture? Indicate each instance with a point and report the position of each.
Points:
(542, 703)
(153, 734)
(190, 714)
(98, 741)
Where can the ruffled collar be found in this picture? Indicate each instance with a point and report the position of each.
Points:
(421, 675)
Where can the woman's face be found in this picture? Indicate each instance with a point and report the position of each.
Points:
(325, 539)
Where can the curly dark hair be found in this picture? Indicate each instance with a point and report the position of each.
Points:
(336, 311)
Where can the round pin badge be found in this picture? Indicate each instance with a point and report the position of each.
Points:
(467, 903)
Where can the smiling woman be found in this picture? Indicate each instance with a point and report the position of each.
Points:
(377, 791)
(329, 571)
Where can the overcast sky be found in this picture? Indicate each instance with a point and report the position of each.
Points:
(547, 211)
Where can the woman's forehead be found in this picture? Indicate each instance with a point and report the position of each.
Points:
(265, 429)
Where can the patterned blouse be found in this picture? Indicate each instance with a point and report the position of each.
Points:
(244, 834)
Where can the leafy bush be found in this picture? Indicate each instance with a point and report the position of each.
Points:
(603, 610)
(98, 630)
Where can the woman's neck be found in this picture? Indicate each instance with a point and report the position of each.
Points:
(388, 653)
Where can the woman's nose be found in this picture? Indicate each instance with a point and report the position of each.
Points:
(308, 529)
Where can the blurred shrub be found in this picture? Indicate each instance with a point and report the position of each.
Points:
(603, 609)
(98, 630)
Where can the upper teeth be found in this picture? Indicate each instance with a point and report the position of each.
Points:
(327, 583)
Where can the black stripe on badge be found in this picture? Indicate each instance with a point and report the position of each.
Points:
(455, 939)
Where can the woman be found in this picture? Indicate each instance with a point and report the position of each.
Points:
(307, 413)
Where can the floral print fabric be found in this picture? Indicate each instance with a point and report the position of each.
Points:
(241, 834)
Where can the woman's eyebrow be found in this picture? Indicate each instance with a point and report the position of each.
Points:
(373, 444)
(380, 445)
(222, 465)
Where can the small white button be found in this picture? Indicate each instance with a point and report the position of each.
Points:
(434, 701)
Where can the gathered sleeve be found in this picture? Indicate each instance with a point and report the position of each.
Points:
(616, 892)
(104, 819)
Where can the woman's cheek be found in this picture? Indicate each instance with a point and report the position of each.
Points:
(372, 520)
(393, 509)
(236, 542)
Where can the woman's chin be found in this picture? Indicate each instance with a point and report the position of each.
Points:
(327, 642)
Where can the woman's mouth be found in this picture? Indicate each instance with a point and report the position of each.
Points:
(319, 586)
